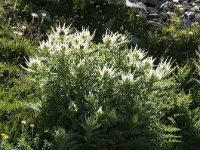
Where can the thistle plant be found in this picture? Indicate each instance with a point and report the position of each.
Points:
(108, 95)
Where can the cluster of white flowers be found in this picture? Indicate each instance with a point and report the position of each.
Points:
(81, 64)
(139, 59)
(163, 69)
(64, 39)
(112, 39)
(107, 72)
(128, 78)
(34, 64)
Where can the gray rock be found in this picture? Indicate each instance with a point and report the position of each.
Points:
(130, 3)
(186, 23)
(195, 9)
(190, 15)
(175, 1)
(140, 9)
(198, 2)
(119, 2)
(152, 10)
(170, 5)
(154, 23)
(152, 2)
(153, 16)
(170, 14)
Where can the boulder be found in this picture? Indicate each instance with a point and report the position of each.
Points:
(186, 23)
(152, 10)
(140, 9)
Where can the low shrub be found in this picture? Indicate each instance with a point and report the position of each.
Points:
(103, 95)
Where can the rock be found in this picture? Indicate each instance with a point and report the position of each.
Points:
(159, 12)
(154, 23)
(170, 14)
(195, 9)
(119, 2)
(152, 2)
(190, 15)
(152, 10)
(153, 16)
(175, 1)
(129, 3)
(186, 23)
(170, 5)
(140, 9)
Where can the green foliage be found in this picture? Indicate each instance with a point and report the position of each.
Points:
(14, 48)
(173, 41)
(14, 102)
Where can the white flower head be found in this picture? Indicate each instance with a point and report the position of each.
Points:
(127, 78)
(23, 122)
(81, 63)
(150, 73)
(34, 64)
(24, 27)
(34, 15)
(99, 111)
(107, 72)
(44, 14)
(148, 62)
(73, 107)
(110, 38)
(18, 33)
(163, 69)
(60, 30)
(83, 39)
(139, 53)
(136, 57)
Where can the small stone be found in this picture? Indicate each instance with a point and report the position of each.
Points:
(186, 23)
(154, 23)
(153, 16)
(190, 15)
(195, 9)
(152, 10)
(170, 14)
(175, 1)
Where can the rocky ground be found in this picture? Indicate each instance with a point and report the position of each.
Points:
(160, 12)
(157, 12)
